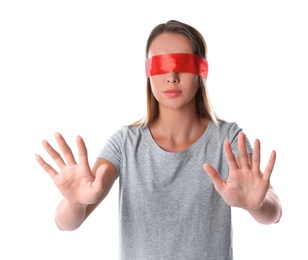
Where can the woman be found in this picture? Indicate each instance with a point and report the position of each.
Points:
(169, 209)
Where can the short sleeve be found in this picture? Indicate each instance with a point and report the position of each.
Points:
(112, 149)
(234, 130)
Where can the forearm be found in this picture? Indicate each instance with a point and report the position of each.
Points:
(270, 211)
(69, 217)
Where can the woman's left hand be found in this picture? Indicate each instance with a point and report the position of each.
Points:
(247, 185)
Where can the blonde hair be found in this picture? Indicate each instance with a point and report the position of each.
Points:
(203, 104)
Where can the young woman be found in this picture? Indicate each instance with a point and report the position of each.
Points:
(169, 208)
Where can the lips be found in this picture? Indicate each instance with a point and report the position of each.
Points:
(172, 92)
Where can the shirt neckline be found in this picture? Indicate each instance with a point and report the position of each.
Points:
(163, 152)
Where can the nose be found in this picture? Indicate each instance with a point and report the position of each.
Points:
(173, 77)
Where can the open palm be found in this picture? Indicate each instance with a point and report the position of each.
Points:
(74, 180)
(247, 185)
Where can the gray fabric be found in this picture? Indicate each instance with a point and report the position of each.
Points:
(168, 206)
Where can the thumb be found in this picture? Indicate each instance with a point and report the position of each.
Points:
(100, 172)
(213, 174)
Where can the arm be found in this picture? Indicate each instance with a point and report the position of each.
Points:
(270, 210)
(247, 186)
(82, 188)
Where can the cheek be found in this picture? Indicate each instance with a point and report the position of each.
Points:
(194, 79)
(193, 82)
(154, 81)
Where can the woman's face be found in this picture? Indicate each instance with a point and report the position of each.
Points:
(173, 90)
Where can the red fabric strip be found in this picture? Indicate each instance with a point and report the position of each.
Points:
(176, 62)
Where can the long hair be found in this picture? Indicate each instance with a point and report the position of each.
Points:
(203, 106)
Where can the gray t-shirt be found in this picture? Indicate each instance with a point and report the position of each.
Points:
(168, 206)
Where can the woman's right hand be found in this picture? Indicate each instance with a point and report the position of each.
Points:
(76, 182)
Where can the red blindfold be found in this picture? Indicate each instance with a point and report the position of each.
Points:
(176, 62)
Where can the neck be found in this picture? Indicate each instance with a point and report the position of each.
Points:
(174, 122)
(176, 130)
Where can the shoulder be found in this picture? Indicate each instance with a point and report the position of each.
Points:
(224, 127)
(133, 130)
(225, 130)
(129, 132)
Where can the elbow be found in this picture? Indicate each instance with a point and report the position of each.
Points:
(279, 215)
(66, 228)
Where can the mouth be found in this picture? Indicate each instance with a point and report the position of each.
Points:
(172, 92)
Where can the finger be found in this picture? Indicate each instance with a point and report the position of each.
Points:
(256, 159)
(53, 154)
(46, 167)
(66, 150)
(82, 151)
(270, 166)
(213, 174)
(242, 151)
(231, 159)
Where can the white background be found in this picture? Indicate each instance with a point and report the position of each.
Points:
(77, 67)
